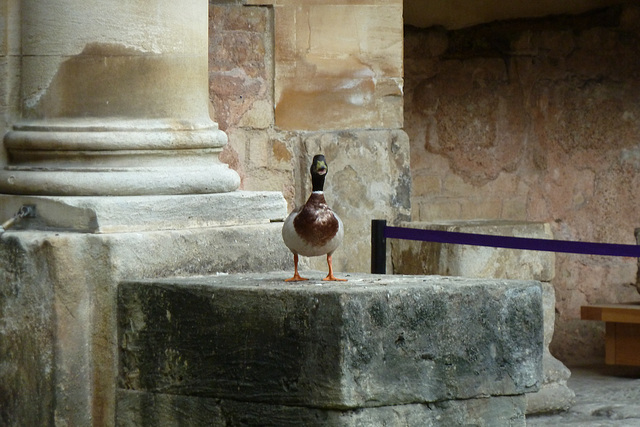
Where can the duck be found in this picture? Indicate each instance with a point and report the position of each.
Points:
(314, 229)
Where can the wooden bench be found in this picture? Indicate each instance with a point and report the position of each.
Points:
(622, 338)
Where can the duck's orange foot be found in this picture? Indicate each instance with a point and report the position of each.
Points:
(332, 278)
(296, 278)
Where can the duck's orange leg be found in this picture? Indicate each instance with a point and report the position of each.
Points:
(330, 276)
(296, 277)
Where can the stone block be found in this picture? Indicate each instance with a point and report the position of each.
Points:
(58, 332)
(554, 394)
(147, 213)
(338, 65)
(375, 341)
(240, 65)
(142, 409)
(413, 257)
(27, 352)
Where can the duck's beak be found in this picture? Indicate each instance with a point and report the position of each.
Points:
(321, 167)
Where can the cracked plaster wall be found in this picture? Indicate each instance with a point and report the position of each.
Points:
(535, 120)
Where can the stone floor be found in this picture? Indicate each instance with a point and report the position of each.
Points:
(605, 396)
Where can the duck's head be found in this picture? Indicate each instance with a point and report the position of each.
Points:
(319, 170)
(319, 165)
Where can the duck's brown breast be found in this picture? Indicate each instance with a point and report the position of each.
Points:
(316, 222)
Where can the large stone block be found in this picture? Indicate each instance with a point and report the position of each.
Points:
(375, 341)
(554, 394)
(122, 214)
(414, 257)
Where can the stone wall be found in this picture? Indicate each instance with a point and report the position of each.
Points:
(535, 120)
(288, 81)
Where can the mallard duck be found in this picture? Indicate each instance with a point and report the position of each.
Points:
(314, 229)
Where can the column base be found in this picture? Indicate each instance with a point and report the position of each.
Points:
(87, 157)
(212, 178)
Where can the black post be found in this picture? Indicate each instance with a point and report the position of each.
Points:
(378, 247)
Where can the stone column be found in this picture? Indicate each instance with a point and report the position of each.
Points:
(115, 101)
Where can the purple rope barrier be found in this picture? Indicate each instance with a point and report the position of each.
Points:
(565, 246)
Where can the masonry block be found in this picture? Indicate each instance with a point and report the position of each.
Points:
(414, 257)
(374, 342)
(59, 275)
(338, 65)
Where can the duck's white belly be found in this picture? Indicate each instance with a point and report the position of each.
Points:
(300, 246)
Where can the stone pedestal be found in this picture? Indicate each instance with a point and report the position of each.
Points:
(125, 214)
(379, 350)
(412, 257)
(59, 276)
(115, 102)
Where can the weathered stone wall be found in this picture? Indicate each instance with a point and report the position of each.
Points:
(288, 80)
(535, 120)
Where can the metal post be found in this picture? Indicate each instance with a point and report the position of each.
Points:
(26, 211)
(378, 247)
